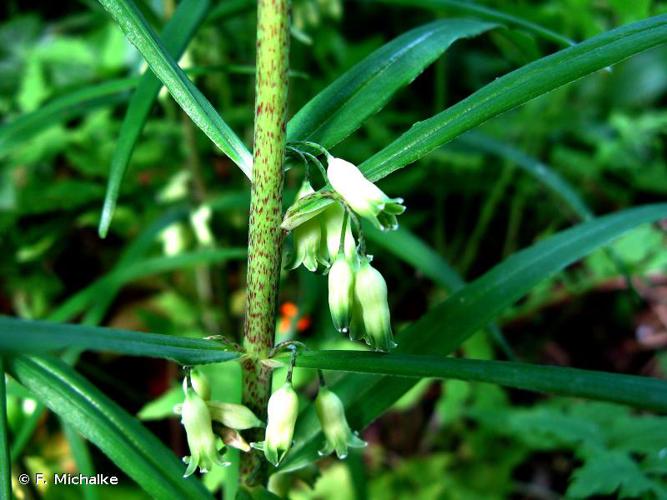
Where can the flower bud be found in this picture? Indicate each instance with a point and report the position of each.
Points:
(332, 224)
(341, 293)
(307, 238)
(234, 416)
(282, 412)
(202, 442)
(363, 196)
(234, 439)
(331, 414)
(200, 384)
(370, 292)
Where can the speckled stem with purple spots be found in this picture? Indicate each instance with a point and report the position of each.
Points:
(264, 244)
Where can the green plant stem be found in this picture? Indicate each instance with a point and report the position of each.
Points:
(265, 235)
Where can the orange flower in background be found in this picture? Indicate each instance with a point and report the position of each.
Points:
(289, 311)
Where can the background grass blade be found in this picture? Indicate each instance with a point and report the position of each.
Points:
(515, 88)
(22, 336)
(411, 249)
(177, 33)
(546, 176)
(68, 106)
(188, 97)
(132, 253)
(99, 295)
(445, 327)
(535, 168)
(640, 392)
(120, 436)
(342, 107)
(82, 457)
(5, 461)
(485, 13)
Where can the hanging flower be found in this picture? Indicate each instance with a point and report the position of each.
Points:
(370, 293)
(364, 197)
(196, 419)
(234, 416)
(332, 225)
(282, 411)
(307, 237)
(331, 414)
(341, 292)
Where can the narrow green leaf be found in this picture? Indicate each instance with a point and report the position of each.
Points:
(26, 432)
(177, 33)
(120, 436)
(485, 13)
(5, 461)
(640, 392)
(342, 107)
(515, 88)
(193, 102)
(81, 454)
(68, 106)
(445, 327)
(22, 336)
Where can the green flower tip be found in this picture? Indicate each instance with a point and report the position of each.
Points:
(337, 433)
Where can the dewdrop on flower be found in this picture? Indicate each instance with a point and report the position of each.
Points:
(364, 197)
(282, 411)
(337, 433)
(341, 292)
(307, 238)
(370, 293)
(196, 419)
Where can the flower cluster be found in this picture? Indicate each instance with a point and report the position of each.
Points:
(209, 425)
(282, 412)
(316, 240)
(324, 242)
(358, 302)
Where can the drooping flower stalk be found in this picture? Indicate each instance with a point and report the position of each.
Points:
(264, 241)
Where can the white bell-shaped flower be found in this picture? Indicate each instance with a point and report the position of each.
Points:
(282, 411)
(341, 292)
(370, 294)
(203, 444)
(307, 238)
(364, 197)
(331, 414)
